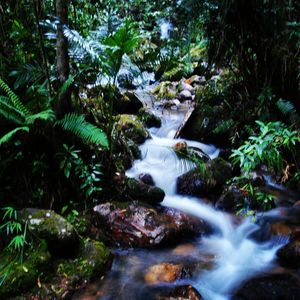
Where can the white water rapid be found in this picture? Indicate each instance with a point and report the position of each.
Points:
(237, 257)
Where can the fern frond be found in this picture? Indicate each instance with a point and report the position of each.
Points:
(14, 99)
(4, 139)
(288, 109)
(89, 133)
(46, 115)
(9, 112)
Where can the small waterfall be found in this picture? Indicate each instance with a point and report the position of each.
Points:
(165, 29)
(237, 256)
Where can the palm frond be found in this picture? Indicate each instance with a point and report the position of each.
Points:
(4, 139)
(80, 47)
(89, 133)
(9, 112)
(28, 74)
(13, 98)
(46, 115)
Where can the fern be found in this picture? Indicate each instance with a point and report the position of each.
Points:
(13, 98)
(9, 112)
(288, 109)
(4, 139)
(89, 133)
(46, 115)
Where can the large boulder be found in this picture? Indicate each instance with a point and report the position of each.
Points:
(205, 180)
(209, 124)
(132, 128)
(138, 225)
(270, 287)
(127, 103)
(53, 228)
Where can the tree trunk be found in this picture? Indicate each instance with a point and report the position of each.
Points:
(63, 104)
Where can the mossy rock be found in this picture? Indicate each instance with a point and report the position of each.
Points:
(22, 277)
(53, 228)
(208, 179)
(149, 119)
(132, 128)
(93, 260)
(165, 90)
(127, 103)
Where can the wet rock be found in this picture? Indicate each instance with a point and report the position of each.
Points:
(146, 178)
(165, 90)
(185, 95)
(163, 272)
(181, 147)
(184, 86)
(137, 225)
(196, 80)
(210, 124)
(125, 80)
(270, 287)
(138, 190)
(231, 197)
(185, 292)
(132, 128)
(22, 277)
(53, 228)
(92, 261)
(128, 103)
(206, 180)
(290, 253)
(149, 119)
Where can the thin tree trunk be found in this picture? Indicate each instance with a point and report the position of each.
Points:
(62, 57)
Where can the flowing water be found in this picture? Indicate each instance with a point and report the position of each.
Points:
(227, 257)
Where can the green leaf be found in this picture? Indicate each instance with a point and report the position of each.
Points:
(4, 139)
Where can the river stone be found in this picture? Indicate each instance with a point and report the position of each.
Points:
(185, 95)
(183, 86)
(138, 225)
(53, 228)
(198, 182)
(184, 292)
(231, 198)
(270, 287)
(132, 128)
(138, 190)
(290, 253)
(146, 178)
(163, 272)
(149, 118)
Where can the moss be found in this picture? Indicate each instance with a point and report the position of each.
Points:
(132, 128)
(22, 277)
(93, 261)
(165, 90)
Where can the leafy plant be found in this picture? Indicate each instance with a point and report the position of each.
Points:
(87, 174)
(16, 234)
(267, 147)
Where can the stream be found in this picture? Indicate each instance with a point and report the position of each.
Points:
(222, 260)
